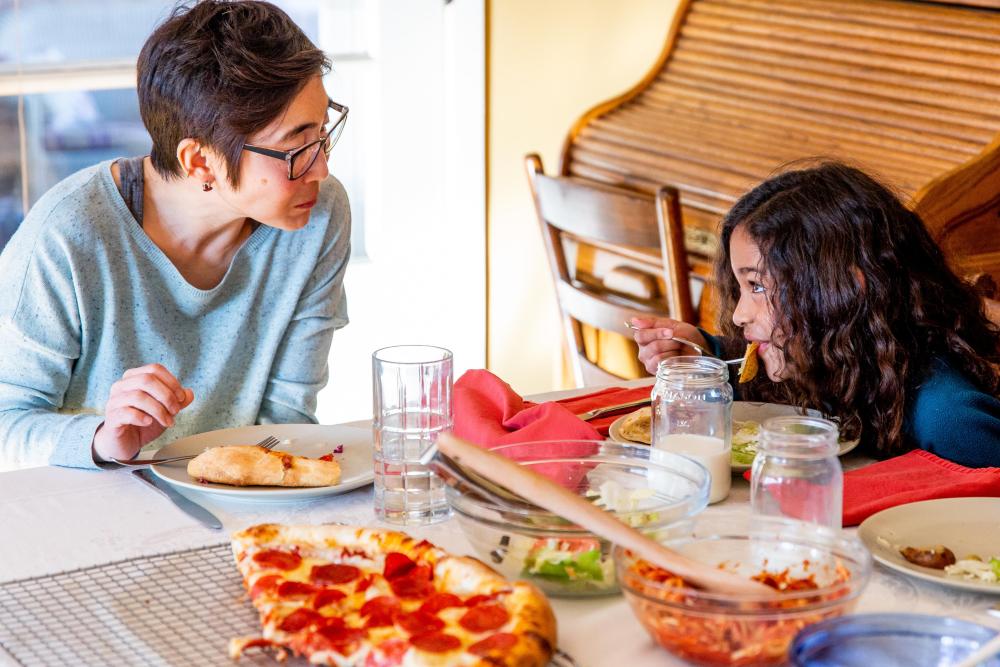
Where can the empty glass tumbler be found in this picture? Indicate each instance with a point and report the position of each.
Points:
(796, 472)
(692, 415)
(412, 387)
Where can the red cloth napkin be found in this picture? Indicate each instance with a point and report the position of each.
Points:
(914, 476)
(917, 475)
(489, 412)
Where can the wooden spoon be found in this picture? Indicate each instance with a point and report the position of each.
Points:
(561, 501)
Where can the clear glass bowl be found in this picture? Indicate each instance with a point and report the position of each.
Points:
(712, 629)
(646, 488)
(890, 640)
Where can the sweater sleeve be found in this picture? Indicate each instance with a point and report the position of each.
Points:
(954, 419)
(40, 339)
(301, 364)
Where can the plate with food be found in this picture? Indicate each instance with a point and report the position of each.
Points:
(636, 427)
(309, 461)
(925, 541)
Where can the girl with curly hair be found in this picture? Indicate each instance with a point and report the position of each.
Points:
(857, 314)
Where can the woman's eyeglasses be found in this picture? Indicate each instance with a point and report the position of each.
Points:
(302, 158)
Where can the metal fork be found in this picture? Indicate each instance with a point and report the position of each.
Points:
(267, 443)
(702, 351)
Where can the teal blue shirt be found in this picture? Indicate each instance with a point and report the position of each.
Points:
(85, 295)
(948, 415)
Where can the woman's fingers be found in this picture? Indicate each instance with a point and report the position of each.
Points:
(153, 386)
(126, 416)
(162, 374)
(146, 403)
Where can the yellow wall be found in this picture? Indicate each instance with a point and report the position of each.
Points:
(549, 61)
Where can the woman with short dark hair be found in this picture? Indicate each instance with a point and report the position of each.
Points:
(195, 288)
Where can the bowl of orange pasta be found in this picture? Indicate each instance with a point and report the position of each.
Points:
(818, 573)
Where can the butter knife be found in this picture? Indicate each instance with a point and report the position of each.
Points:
(597, 412)
(189, 507)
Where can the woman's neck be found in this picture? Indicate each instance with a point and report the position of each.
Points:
(196, 230)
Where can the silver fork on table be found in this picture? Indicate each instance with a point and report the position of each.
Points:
(267, 443)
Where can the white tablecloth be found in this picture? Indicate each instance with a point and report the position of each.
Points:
(56, 519)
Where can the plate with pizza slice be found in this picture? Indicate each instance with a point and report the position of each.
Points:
(352, 596)
(636, 427)
(309, 461)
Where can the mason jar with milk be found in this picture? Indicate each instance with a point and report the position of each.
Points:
(692, 415)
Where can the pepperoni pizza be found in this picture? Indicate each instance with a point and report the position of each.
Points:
(347, 596)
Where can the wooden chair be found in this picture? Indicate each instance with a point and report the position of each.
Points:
(575, 215)
(906, 89)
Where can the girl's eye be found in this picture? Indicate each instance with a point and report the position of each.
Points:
(756, 288)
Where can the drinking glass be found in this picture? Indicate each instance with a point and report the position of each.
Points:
(796, 472)
(692, 415)
(412, 405)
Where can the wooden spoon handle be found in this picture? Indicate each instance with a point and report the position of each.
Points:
(563, 502)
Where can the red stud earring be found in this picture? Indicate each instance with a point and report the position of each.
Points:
(206, 187)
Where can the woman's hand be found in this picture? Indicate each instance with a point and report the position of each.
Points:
(654, 336)
(141, 406)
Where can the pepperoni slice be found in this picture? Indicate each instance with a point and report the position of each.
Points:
(299, 619)
(414, 584)
(333, 574)
(501, 642)
(341, 639)
(439, 601)
(266, 584)
(380, 612)
(436, 642)
(484, 617)
(279, 560)
(295, 589)
(479, 599)
(396, 565)
(363, 584)
(420, 622)
(327, 596)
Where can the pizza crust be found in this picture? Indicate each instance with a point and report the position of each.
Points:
(250, 465)
(638, 426)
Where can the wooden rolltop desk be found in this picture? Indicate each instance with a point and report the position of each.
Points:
(907, 90)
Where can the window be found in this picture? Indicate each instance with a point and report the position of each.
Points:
(67, 88)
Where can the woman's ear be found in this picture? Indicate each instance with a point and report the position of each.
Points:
(194, 161)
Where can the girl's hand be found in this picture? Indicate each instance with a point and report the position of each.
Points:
(654, 337)
(141, 406)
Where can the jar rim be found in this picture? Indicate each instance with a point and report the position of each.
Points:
(798, 435)
(692, 371)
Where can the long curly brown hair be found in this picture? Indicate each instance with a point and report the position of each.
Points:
(862, 296)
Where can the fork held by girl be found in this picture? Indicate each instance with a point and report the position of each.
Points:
(857, 314)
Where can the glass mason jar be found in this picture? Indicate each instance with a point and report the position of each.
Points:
(796, 472)
(692, 415)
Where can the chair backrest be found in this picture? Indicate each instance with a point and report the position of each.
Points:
(907, 89)
(574, 213)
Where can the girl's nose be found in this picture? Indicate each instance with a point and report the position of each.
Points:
(742, 314)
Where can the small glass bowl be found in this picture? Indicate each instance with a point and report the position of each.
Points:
(712, 629)
(890, 640)
(648, 489)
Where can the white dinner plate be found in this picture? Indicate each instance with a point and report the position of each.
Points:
(312, 440)
(742, 411)
(964, 525)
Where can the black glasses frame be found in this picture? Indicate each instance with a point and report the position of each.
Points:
(325, 142)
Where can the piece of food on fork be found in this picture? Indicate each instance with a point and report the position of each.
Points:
(250, 465)
(748, 369)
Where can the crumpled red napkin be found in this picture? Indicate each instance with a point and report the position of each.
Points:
(914, 476)
(488, 412)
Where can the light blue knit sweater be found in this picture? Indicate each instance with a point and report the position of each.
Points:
(86, 295)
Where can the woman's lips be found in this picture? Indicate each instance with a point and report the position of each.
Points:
(308, 204)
